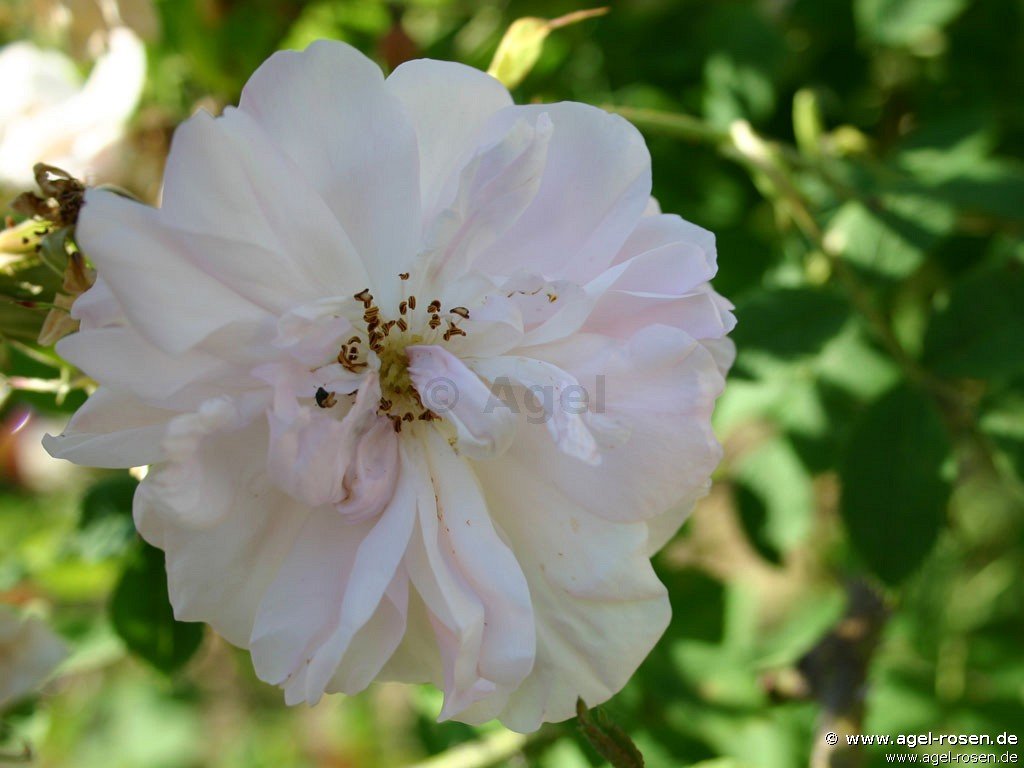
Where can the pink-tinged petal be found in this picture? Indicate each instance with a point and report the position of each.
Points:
(144, 264)
(255, 220)
(485, 199)
(303, 604)
(665, 258)
(373, 570)
(328, 110)
(598, 605)
(551, 309)
(595, 187)
(556, 399)
(650, 402)
(724, 352)
(121, 359)
(310, 450)
(97, 307)
(702, 313)
(375, 644)
(329, 587)
(417, 658)
(372, 473)
(494, 326)
(447, 104)
(312, 333)
(112, 430)
(474, 591)
(485, 563)
(448, 388)
(691, 256)
(193, 484)
(218, 572)
(661, 528)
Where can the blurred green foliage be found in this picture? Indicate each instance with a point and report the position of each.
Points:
(861, 164)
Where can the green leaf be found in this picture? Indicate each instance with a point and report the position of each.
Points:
(105, 524)
(904, 22)
(523, 42)
(774, 473)
(892, 239)
(893, 493)
(109, 497)
(788, 323)
(1002, 420)
(141, 613)
(980, 333)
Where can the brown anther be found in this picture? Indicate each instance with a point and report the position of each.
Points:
(552, 297)
(353, 340)
(453, 330)
(408, 417)
(402, 307)
(403, 275)
(434, 306)
(364, 295)
(397, 423)
(412, 302)
(385, 404)
(460, 311)
(402, 325)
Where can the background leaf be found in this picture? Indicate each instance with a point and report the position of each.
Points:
(980, 333)
(893, 495)
(141, 613)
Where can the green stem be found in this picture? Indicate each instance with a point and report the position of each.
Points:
(680, 126)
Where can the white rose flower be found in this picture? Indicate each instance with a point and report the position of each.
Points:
(29, 652)
(48, 115)
(323, 344)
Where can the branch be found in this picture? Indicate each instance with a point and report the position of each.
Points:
(492, 749)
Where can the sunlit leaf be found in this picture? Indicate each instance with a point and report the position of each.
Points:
(774, 473)
(105, 525)
(980, 333)
(788, 323)
(891, 239)
(903, 22)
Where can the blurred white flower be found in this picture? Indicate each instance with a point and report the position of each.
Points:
(87, 24)
(29, 652)
(48, 115)
(323, 343)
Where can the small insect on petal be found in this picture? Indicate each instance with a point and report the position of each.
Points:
(325, 399)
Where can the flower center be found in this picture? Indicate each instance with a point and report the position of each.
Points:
(388, 338)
